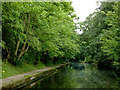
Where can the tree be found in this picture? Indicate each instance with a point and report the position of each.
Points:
(46, 27)
(94, 28)
(111, 37)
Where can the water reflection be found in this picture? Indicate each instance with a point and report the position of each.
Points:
(77, 66)
(79, 76)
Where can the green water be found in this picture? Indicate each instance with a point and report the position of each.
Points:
(77, 77)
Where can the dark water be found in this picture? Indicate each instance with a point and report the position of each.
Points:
(79, 76)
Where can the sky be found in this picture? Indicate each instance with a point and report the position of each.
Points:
(83, 8)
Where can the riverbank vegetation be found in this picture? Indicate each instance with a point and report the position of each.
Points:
(100, 40)
(38, 31)
(11, 70)
(43, 33)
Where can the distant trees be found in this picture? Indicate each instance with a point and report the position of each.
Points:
(101, 37)
(45, 31)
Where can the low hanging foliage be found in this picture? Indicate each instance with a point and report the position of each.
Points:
(45, 27)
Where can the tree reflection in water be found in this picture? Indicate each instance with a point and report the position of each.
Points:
(79, 76)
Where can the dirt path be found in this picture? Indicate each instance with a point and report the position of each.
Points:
(18, 77)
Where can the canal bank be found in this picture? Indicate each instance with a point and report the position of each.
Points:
(22, 80)
(78, 75)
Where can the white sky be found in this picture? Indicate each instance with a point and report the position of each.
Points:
(83, 8)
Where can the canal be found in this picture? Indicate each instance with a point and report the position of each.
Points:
(77, 75)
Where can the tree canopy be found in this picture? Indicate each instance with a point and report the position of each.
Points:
(45, 27)
(45, 31)
(100, 40)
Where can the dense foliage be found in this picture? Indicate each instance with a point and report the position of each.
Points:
(45, 31)
(100, 41)
(38, 30)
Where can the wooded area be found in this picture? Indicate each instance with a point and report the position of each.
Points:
(100, 41)
(45, 31)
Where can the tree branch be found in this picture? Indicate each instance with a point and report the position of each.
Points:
(18, 43)
(22, 52)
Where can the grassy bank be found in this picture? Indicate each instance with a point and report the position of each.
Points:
(10, 70)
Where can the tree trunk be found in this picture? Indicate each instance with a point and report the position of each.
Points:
(23, 48)
(23, 51)
(52, 59)
(8, 55)
(24, 45)
(18, 43)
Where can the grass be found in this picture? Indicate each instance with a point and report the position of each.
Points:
(11, 70)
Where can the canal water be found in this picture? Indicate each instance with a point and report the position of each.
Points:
(78, 75)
